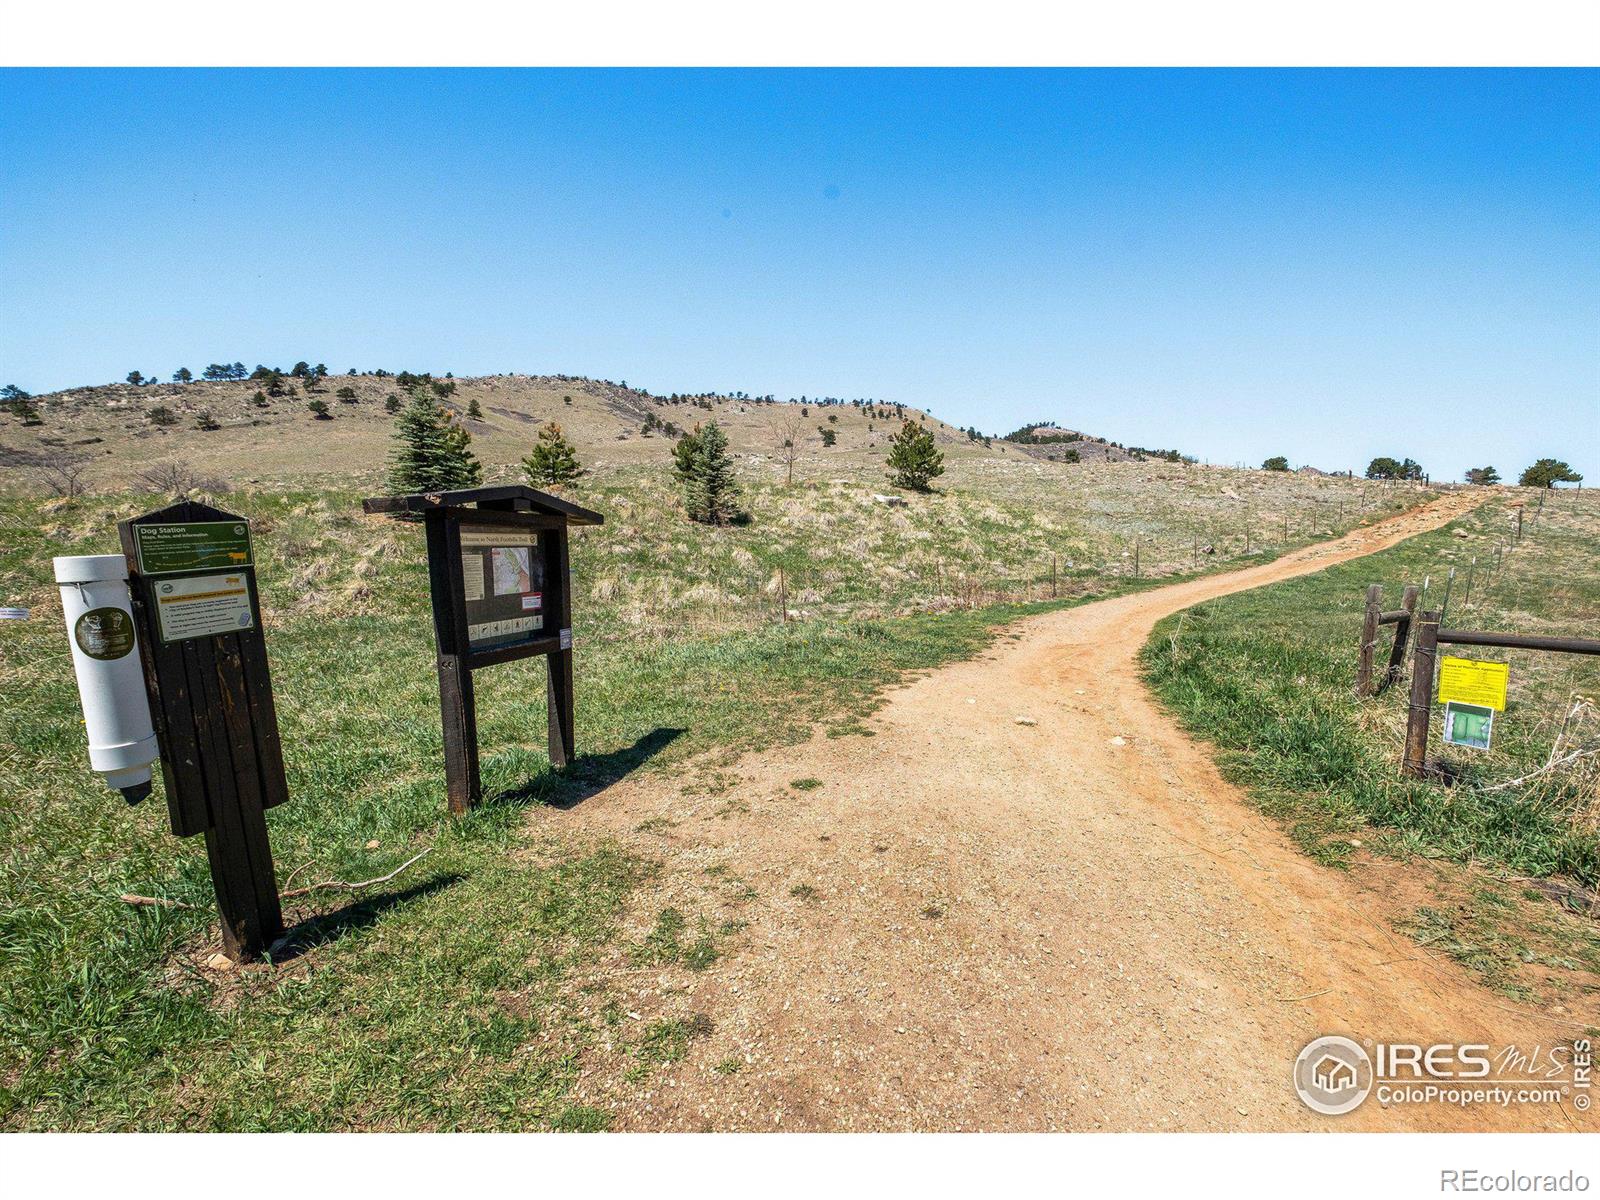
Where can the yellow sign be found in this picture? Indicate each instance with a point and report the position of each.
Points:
(1467, 681)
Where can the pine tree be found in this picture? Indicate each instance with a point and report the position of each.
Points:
(705, 470)
(474, 410)
(432, 453)
(914, 461)
(552, 461)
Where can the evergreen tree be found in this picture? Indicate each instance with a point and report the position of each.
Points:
(1548, 472)
(182, 375)
(20, 404)
(319, 409)
(914, 460)
(1484, 476)
(552, 461)
(431, 453)
(1276, 463)
(705, 471)
(391, 403)
(474, 409)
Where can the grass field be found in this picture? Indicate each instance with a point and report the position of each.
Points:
(471, 991)
(1268, 677)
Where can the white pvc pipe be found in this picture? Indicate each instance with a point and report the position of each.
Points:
(105, 656)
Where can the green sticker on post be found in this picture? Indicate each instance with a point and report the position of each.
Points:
(192, 546)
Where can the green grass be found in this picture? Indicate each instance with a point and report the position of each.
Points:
(468, 993)
(1267, 676)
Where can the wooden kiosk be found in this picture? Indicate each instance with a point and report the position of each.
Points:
(501, 581)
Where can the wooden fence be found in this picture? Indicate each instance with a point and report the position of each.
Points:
(1429, 638)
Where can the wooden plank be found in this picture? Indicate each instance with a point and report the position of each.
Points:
(1402, 635)
(477, 659)
(1519, 641)
(432, 501)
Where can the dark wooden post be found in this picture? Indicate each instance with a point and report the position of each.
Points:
(1519, 524)
(1053, 592)
(457, 704)
(558, 689)
(211, 704)
(1472, 570)
(1421, 705)
(1369, 640)
(1402, 635)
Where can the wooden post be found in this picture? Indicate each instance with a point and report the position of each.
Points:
(1369, 640)
(1136, 558)
(1420, 709)
(783, 596)
(1053, 591)
(1472, 570)
(1402, 635)
(1519, 524)
(1449, 583)
(211, 704)
(558, 689)
(457, 703)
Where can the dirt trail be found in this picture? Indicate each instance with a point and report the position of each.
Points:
(1074, 924)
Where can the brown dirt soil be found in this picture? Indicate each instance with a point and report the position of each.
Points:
(1074, 924)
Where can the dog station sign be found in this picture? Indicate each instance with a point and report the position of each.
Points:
(501, 584)
(1472, 691)
(192, 598)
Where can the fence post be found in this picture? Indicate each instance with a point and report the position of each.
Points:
(1052, 577)
(1421, 706)
(1402, 635)
(1449, 583)
(783, 596)
(1369, 640)
(1472, 570)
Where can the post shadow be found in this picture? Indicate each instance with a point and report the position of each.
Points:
(588, 774)
(323, 928)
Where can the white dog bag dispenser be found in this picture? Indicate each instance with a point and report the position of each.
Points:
(105, 655)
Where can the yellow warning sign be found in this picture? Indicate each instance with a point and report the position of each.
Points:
(1468, 681)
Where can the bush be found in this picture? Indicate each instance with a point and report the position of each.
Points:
(319, 410)
(161, 415)
(347, 395)
(204, 420)
(914, 460)
(705, 472)
(552, 461)
(1276, 463)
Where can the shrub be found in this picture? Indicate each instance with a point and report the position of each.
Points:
(319, 409)
(552, 461)
(161, 415)
(705, 472)
(914, 460)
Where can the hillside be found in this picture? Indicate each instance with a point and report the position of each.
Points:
(247, 441)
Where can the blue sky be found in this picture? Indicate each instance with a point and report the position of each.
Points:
(1327, 265)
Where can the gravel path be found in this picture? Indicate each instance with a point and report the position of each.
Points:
(1034, 904)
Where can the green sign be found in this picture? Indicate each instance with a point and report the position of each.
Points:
(1468, 725)
(193, 546)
